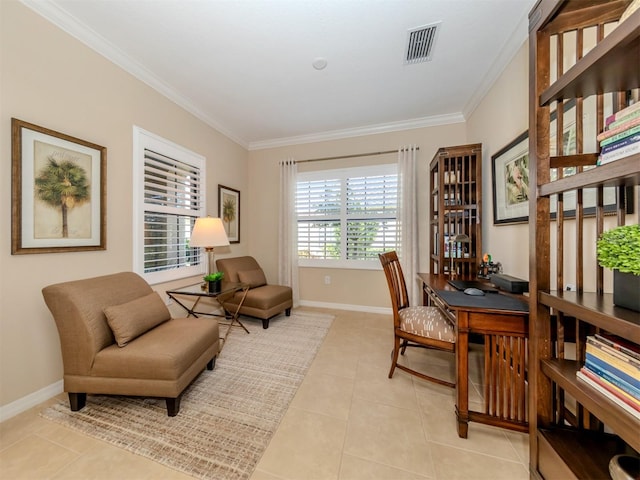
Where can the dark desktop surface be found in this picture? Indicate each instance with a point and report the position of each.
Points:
(497, 301)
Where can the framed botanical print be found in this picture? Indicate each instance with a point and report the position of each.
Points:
(510, 168)
(58, 191)
(229, 212)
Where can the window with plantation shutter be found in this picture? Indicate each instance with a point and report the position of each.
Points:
(169, 195)
(347, 217)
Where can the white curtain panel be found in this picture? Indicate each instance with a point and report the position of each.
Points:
(288, 232)
(408, 217)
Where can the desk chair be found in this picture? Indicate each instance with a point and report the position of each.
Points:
(418, 326)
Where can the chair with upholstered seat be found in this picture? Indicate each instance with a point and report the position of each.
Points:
(414, 326)
(263, 301)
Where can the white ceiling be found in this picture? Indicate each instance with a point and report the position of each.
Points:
(245, 66)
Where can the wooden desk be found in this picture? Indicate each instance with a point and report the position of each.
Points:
(504, 328)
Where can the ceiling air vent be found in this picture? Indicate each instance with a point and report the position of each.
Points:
(420, 42)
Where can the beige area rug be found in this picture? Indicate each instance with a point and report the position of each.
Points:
(227, 416)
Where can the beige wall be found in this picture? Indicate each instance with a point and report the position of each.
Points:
(50, 79)
(501, 116)
(356, 288)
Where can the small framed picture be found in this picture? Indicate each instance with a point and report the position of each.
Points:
(510, 168)
(229, 212)
(58, 191)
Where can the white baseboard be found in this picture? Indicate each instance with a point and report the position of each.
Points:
(345, 306)
(25, 403)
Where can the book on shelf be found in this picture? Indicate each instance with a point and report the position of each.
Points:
(622, 120)
(614, 362)
(582, 376)
(634, 107)
(619, 154)
(618, 392)
(620, 135)
(620, 129)
(614, 349)
(619, 343)
(618, 379)
(623, 142)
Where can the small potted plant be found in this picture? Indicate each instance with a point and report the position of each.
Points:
(214, 280)
(619, 250)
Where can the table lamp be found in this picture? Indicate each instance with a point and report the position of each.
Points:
(459, 238)
(208, 232)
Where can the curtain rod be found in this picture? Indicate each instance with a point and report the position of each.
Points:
(355, 155)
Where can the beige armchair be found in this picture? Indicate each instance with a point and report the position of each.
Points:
(117, 337)
(263, 301)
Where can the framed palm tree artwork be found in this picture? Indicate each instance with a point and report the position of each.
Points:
(58, 191)
(229, 211)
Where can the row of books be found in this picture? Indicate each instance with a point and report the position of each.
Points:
(621, 136)
(612, 367)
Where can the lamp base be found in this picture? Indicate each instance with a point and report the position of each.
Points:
(211, 267)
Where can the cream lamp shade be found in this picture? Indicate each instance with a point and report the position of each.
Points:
(208, 232)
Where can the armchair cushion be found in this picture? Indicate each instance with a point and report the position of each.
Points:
(131, 319)
(254, 278)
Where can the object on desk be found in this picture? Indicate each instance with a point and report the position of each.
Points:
(476, 292)
(456, 246)
(509, 283)
(488, 268)
(464, 284)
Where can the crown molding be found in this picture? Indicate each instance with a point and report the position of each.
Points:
(68, 23)
(422, 122)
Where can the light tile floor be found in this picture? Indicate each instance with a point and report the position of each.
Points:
(348, 421)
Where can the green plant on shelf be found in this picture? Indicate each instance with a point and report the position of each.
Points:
(619, 249)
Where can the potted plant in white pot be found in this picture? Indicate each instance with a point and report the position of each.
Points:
(619, 250)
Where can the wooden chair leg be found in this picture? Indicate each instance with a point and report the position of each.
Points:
(404, 346)
(394, 355)
(173, 406)
(77, 401)
(265, 324)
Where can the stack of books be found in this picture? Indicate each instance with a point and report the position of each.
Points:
(621, 136)
(612, 368)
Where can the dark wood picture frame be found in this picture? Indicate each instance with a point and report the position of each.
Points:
(229, 211)
(510, 181)
(58, 191)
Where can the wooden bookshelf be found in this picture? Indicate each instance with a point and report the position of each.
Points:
(575, 429)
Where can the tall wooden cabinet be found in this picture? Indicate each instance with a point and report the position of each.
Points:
(455, 210)
(575, 430)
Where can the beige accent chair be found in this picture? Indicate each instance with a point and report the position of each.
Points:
(118, 338)
(418, 326)
(263, 301)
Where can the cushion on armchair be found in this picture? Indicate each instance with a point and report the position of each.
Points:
(131, 319)
(254, 278)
